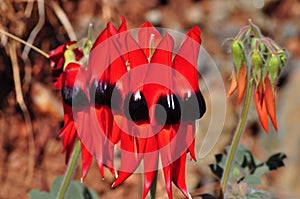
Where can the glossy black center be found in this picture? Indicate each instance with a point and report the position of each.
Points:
(170, 108)
(74, 97)
(137, 109)
(194, 106)
(103, 93)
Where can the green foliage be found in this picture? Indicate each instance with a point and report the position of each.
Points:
(76, 190)
(246, 170)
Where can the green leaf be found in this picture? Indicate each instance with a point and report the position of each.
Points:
(36, 194)
(76, 190)
(252, 180)
(261, 170)
(236, 173)
(258, 194)
(55, 185)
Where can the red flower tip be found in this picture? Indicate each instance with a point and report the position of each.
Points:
(242, 82)
(123, 26)
(269, 99)
(261, 111)
(148, 38)
(233, 85)
(86, 161)
(195, 33)
(185, 61)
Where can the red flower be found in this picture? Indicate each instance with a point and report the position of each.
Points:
(119, 97)
(73, 81)
(174, 140)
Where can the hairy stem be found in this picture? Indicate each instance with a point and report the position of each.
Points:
(238, 133)
(69, 172)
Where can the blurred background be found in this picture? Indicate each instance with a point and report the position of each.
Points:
(31, 118)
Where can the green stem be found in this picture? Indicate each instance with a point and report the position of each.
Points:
(237, 136)
(153, 187)
(70, 172)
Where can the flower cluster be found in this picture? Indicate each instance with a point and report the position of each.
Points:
(259, 59)
(136, 94)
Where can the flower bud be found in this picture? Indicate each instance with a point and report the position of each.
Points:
(257, 63)
(282, 59)
(273, 67)
(238, 55)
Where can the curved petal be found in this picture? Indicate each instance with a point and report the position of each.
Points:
(168, 180)
(242, 81)
(57, 60)
(270, 102)
(148, 37)
(86, 161)
(185, 61)
(178, 174)
(105, 34)
(130, 159)
(233, 85)
(261, 111)
(68, 134)
(123, 26)
(151, 156)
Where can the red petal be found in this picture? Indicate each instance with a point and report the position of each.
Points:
(116, 70)
(106, 120)
(178, 174)
(56, 56)
(58, 83)
(164, 140)
(163, 52)
(123, 26)
(129, 159)
(242, 82)
(146, 31)
(185, 61)
(168, 180)
(261, 111)
(270, 102)
(233, 85)
(190, 139)
(100, 168)
(86, 161)
(105, 34)
(151, 156)
(70, 74)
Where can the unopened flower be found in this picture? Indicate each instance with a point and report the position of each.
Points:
(264, 59)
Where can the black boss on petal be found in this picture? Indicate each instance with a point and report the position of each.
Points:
(137, 109)
(101, 93)
(194, 106)
(74, 97)
(170, 107)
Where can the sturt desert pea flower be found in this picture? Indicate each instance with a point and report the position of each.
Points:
(83, 93)
(174, 140)
(103, 82)
(65, 70)
(266, 59)
(89, 90)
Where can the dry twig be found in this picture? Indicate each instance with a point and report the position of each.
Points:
(21, 102)
(64, 20)
(36, 29)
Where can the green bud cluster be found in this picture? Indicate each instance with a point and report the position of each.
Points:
(263, 57)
